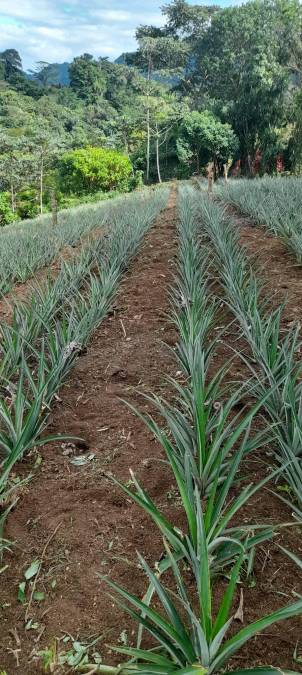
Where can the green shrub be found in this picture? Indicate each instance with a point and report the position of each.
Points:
(6, 213)
(68, 201)
(93, 169)
(136, 180)
(27, 203)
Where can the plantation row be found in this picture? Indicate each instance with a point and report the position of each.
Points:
(274, 357)
(273, 202)
(205, 439)
(25, 248)
(49, 331)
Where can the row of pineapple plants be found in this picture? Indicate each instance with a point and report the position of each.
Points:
(28, 246)
(48, 332)
(204, 441)
(274, 203)
(274, 358)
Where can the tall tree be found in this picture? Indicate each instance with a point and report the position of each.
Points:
(87, 78)
(167, 112)
(12, 63)
(243, 61)
(295, 144)
(45, 72)
(16, 165)
(158, 53)
(46, 148)
(188, 21)
(203, 139)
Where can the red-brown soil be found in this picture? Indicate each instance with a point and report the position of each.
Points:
(276, 265)
(100, 530)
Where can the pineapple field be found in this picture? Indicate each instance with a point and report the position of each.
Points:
(151, 434)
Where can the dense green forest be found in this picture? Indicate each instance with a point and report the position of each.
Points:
(212, 85)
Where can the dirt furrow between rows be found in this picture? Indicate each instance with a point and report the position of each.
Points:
(276, 265)
(98, 530)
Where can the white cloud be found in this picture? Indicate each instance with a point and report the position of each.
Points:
(51, 33)
(113, 15)
(29, 10)
(135, 18)
(58, 30)
(38, 47)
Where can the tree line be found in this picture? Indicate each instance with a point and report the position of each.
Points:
(212, 85)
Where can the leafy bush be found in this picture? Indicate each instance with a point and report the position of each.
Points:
(68, 201)
(6, 213)
(92, 169)
(27, 203)
(136, 180)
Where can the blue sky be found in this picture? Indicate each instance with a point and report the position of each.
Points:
(58, 30)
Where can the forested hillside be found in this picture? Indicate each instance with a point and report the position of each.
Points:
(212, 85)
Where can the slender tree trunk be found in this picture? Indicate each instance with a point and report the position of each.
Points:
(148, 146)
(54, 209)
(41, 183)
(210, 172)
(148, 120)
(157, 155)
(226, 173)
(12, 197)
(246, 159)
(197, 164)
(126, 144)
(246, 164)
(210, 184)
